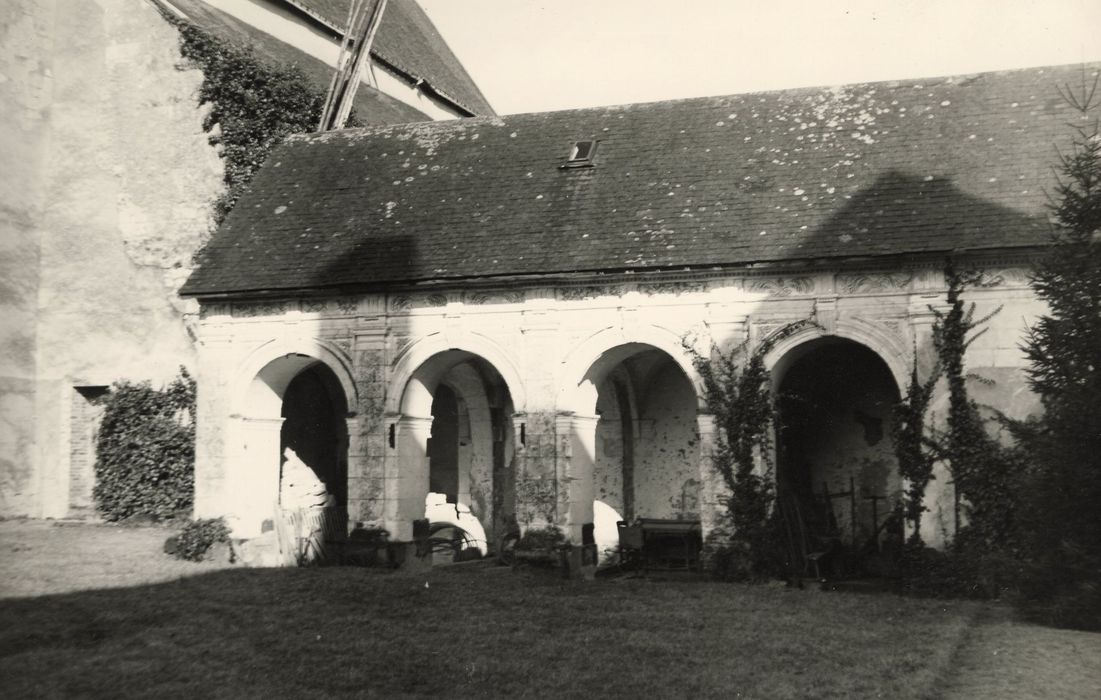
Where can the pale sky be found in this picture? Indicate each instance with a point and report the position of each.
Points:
(535, 55)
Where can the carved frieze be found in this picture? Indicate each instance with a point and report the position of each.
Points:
(405, 302)
(315, 306)
(673, 288)
(260, 308)
(590, 292)
(495, 297)
(347, 305)
(1007, 277)
(782, 286)
(870, 282)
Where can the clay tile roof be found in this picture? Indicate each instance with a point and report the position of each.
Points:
(408, 41)
(864, 170)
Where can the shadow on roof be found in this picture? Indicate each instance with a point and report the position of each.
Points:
(903, 212)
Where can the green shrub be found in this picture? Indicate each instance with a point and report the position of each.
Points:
(1060, 515)
(198, 536)
(145, 452)
(548, 539)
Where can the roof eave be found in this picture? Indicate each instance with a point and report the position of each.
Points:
(530, 279)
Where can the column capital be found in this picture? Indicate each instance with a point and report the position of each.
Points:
(263, 424)
(574, 420)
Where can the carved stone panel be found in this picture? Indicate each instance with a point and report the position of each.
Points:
(1005, 277)
(589, 292)
(672, 288)
(782, 286)
(260, 308)
(495, 297)
(871, 282)
(406, 302)
(347, 305)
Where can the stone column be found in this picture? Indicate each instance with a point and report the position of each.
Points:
(407, 484)
(536, 481)
(575, 461)
(254, 478)
(713, 490)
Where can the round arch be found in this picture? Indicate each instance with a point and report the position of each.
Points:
(413, 364)
(261, 382)
(889, 348)
(594, 358)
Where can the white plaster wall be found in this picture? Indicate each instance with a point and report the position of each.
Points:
(26, 40)
(667, 474)
(543, 341)
(127, 179)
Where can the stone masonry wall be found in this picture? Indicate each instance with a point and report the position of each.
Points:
(120, 179)
(26, 40)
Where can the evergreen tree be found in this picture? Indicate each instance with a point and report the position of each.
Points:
(1061, 499)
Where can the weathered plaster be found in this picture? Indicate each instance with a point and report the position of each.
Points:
(26, 38)
(108, 199)
(564, 358)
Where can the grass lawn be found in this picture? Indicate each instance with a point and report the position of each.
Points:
(119, 621)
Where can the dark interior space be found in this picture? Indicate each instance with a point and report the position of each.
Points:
(314, 427)
(443, 445)
(835, 459)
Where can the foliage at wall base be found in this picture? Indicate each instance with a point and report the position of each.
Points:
(198, 536)
(145, 452)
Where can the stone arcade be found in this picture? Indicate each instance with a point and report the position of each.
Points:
(495, 309)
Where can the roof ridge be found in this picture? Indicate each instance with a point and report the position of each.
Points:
(503, 119)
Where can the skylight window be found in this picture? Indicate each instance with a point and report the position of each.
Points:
(581, 155)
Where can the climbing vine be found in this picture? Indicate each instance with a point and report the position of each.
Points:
(982, 469)
(254, 105)
(738, 393)
(145, 451)
(914, 447)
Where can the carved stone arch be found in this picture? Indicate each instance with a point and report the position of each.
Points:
(413, 359)
(889, 347)
(583, 368)
(260, 382)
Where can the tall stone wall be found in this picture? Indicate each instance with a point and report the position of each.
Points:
(26, 40)
(114, 204)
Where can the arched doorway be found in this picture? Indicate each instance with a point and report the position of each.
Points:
(835, 461)
(314, 432)
(644, 455)
(294, 457)
(455, 445)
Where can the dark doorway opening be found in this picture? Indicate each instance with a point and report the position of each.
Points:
(836, 469)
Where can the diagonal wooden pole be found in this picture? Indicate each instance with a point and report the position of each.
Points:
(355, 49)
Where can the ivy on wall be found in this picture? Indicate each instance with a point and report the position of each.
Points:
(253, 103)
(738, 392)
(145, 451)
(915, 449)
(983, 471)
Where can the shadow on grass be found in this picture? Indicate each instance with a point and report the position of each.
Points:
(469, 631)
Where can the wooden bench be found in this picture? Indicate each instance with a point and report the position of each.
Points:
(661, 543)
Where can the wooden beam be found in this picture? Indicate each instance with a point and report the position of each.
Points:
(355, 50)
